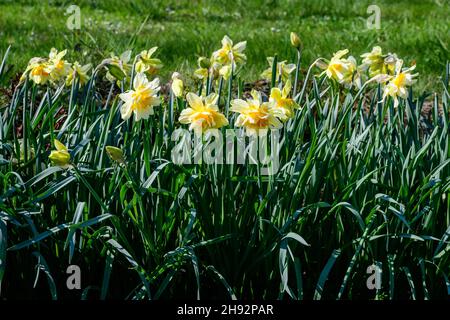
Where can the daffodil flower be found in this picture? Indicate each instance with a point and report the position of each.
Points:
(61, 156)
(343, 70)
(282, 106)
(118, 67)
(147, 64)
(377, 63)
(78, 72)
(283, 69)
(229, 53)
(226, 71)
(398, 84)
(38, 70)
(203, 113)
(59, 68)
(254, 114)
(142, 99)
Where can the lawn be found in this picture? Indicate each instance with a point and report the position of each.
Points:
(185, 30)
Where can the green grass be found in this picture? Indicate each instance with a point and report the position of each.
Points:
(184, 30)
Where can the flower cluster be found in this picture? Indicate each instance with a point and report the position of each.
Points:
(386, 69)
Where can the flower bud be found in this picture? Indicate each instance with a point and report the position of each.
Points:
(295, 41)
(115, 154)
(204, 62)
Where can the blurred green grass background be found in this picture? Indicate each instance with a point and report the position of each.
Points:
(184, 30)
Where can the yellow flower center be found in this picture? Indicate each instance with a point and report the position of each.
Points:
(141, 98)
(39, 71)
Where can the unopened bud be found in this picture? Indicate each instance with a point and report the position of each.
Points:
(204, 62)
(295, 40)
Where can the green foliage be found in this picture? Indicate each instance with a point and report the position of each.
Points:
(360, 184)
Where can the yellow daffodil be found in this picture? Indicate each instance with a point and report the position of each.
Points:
(398, 84)
(254, 114)
(343, 70)
(147, 64)
(38, 70)
(229, 53)
(203, 113)
(282, 68)
(177, 84)
(142, 99)
(115, 154)
(61, 156)
(59, 68)
(201, 73)
(281, 104)
(377, 63)
(118, 67)
(78, 72)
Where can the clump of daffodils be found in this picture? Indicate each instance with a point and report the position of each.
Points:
(61, 156)
(254, 114)
(141, 100)
(203, 113)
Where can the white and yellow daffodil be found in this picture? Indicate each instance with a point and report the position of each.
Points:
(78, 72)
(284, 69)
(142, 99)
(230, 54)
(147, 64)
(280, 103)
(202, 113)
(254, 114)
(399, 83)
(38, 69)
(59, 68)
(61, 156)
